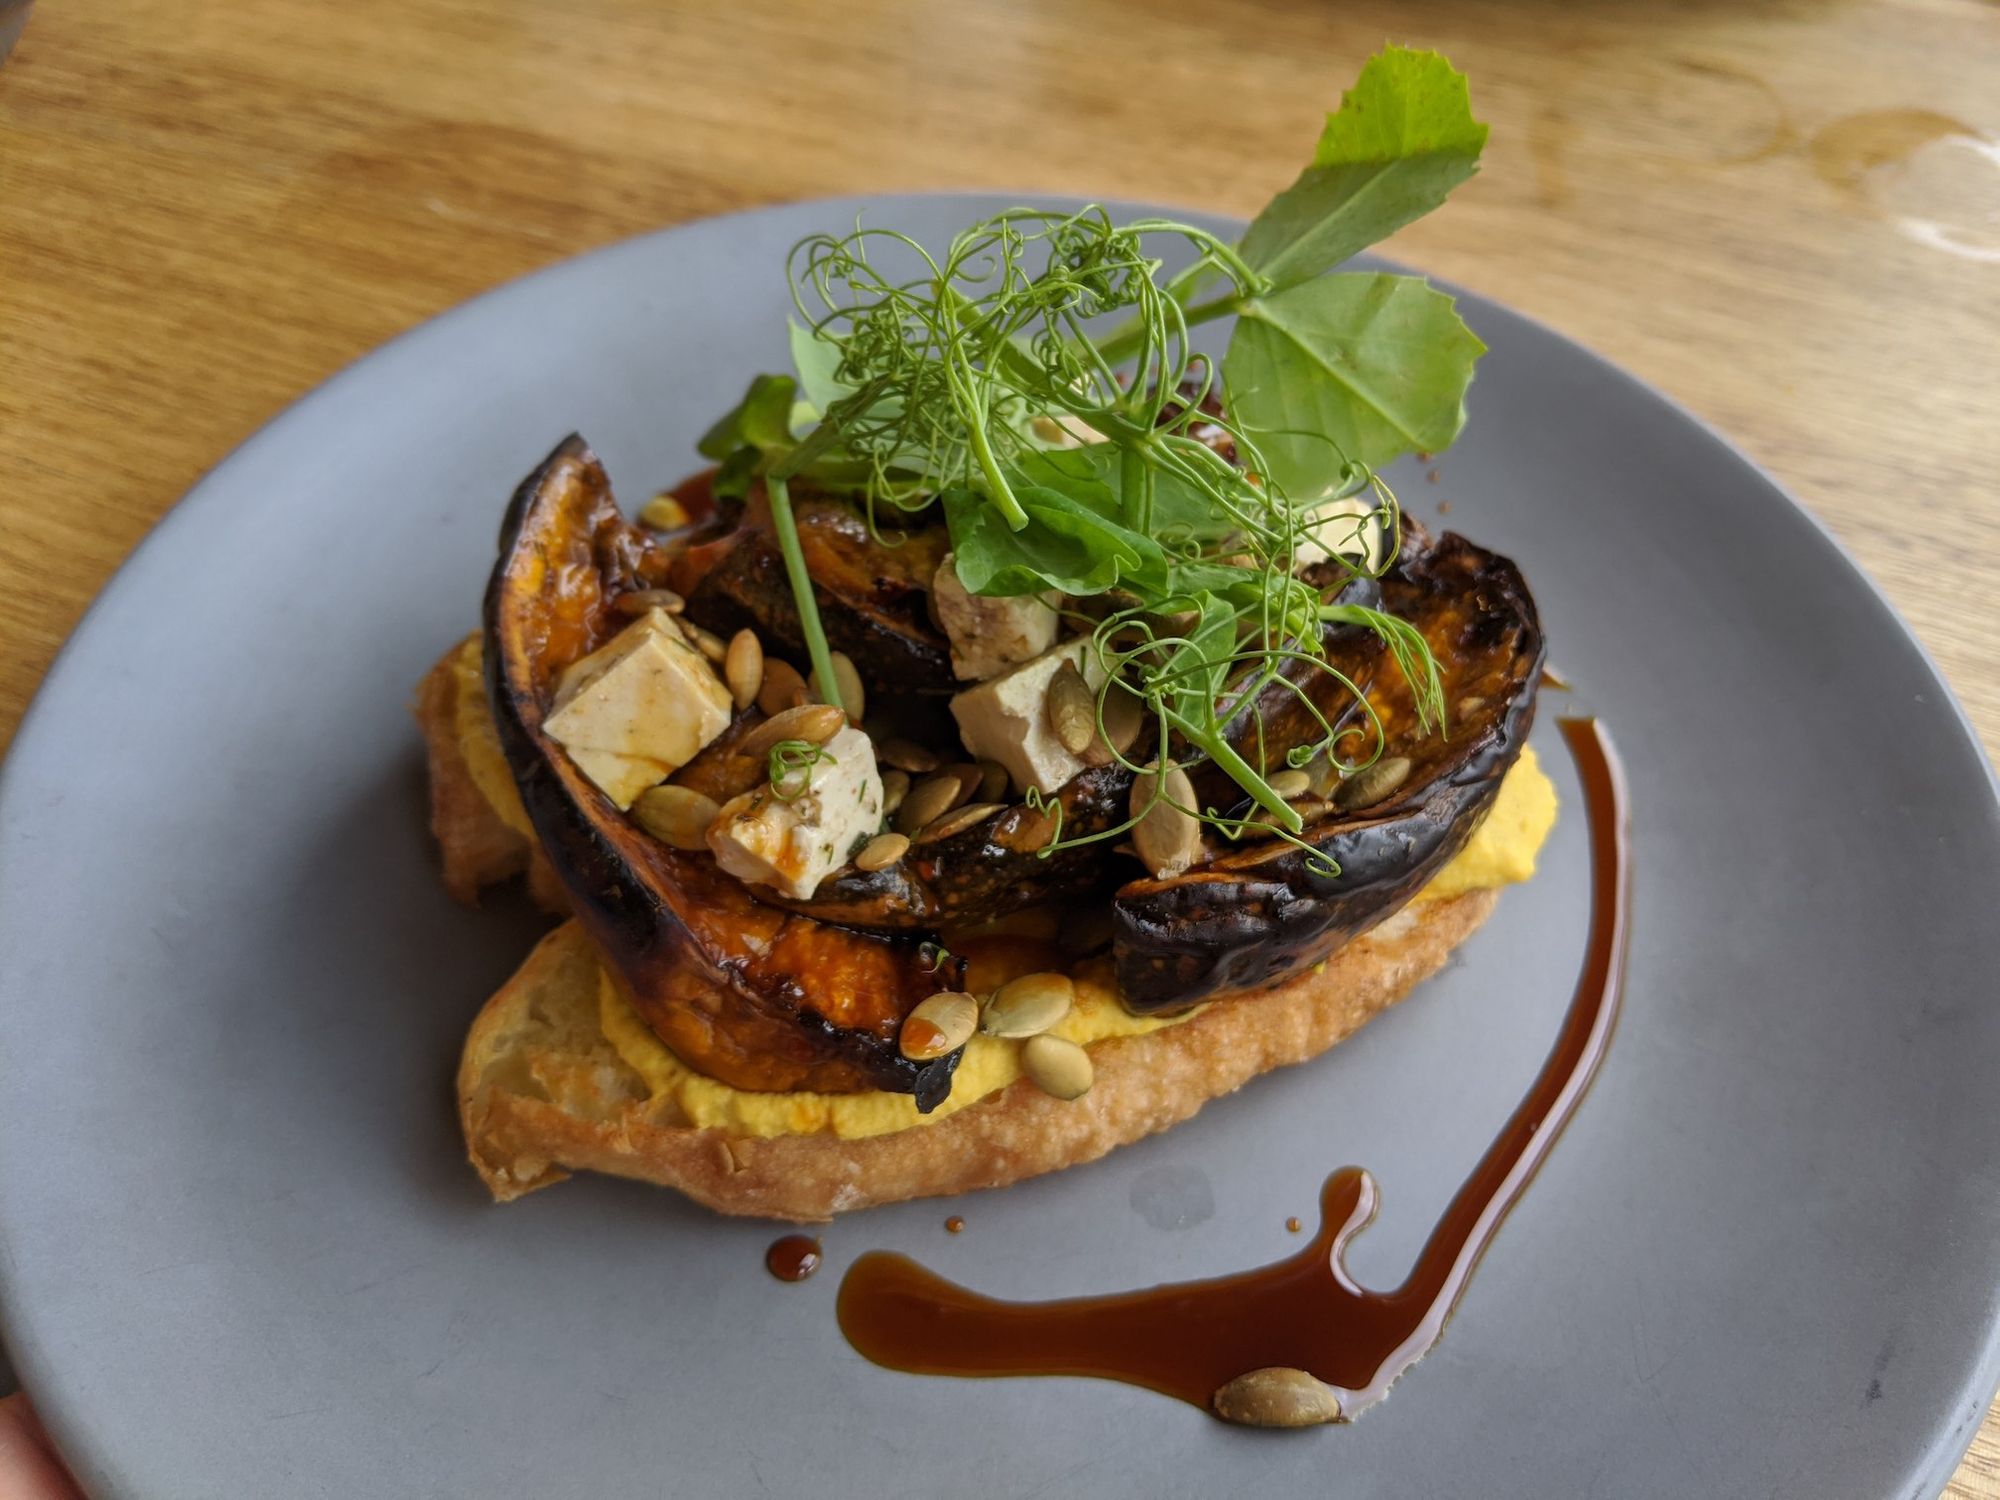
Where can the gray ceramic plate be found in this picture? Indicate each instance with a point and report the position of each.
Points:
(242, 1255)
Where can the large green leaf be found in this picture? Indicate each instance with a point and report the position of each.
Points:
(1068, 544)
(1362, 366)
(1401, 140)
(1095, 473)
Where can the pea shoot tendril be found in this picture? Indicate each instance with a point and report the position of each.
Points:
(1039, 380)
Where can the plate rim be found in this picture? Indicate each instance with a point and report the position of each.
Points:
(1951, 1433)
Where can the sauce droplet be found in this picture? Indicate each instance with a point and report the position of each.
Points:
(1306, 1312)
(954, 1224)
(793, 1258)
(1294, 1225)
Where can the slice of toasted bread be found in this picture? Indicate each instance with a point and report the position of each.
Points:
(477, 845)
(541, 1090)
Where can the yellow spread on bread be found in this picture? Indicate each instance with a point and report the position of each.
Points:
(1502, 851)
(479, 741)
(1504, 847)
(989, 1065)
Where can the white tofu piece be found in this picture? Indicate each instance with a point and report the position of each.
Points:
(1331, 529)
(990, 635)
(638, 708)
(1006, 718)
(792, 845)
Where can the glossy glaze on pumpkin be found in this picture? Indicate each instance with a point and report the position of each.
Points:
(1254, 915)
(873, 597)
(754, 996)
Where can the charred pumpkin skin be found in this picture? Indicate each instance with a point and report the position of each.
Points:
(873, 599)
(1250, 918)
(753, 996)
(988, 870)
(995, 867)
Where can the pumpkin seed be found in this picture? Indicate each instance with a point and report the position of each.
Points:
(1371, 784)
(1325, 775)
(906, 755)
(815, 723)
(663, 513)
(743, 667)
(1290, 783)
(881, 852)
(1167, 838)
(644, 601)
(1087, 929)
(1026, 830)
(1310, 810)
(954, 823)
(846, 677)
(707, 642)
(1057, 1065)
(929, 800)
(782, 687)
(1027, 1006)
(895, 787)
(677, 816)
(992, 781)
(969, 778)
(941, 1024)
(1124, 715)
(1072, 709)
(1277, 1397)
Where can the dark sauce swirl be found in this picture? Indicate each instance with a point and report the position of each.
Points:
(1305, 1312)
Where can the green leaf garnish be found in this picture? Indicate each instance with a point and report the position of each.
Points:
(762, 419)
(1401, 140)
(1037, 379)
(1361, 367)
(818, 364)
(1070, 544)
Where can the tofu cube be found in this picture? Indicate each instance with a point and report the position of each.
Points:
(638, 708)
(990, 635)
(1006, 718)
(1336, 528)
(793, 843)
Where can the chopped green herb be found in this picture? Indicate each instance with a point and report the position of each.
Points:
(790, 767)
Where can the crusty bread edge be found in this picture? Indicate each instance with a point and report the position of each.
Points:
(476, 846)
(541, 1092)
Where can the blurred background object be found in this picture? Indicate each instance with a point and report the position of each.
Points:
(1785, 214)
(13, 16)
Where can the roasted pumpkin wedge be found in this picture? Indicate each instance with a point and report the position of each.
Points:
(753, 996)
(985, 871)
(996, 867)
(1253, 915)
(873, 596)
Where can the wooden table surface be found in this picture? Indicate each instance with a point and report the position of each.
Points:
(1786, 215)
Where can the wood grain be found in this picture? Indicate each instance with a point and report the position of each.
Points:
(204, 210)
